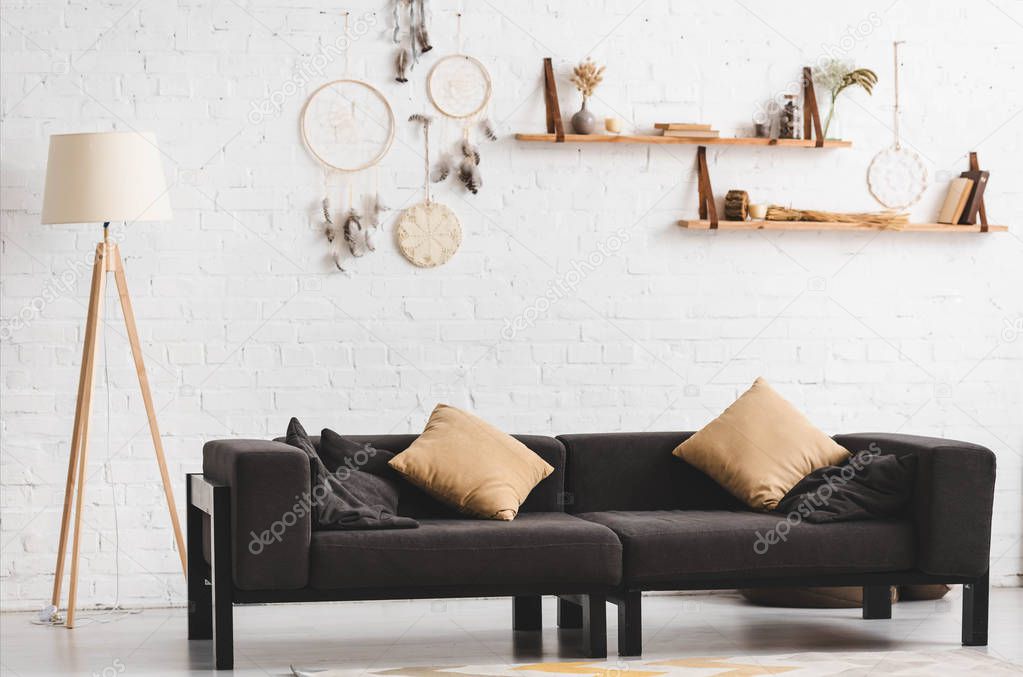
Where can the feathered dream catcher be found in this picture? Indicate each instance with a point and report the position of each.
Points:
(416, 39)
(429, 233)
(348, 126)
(459, 87)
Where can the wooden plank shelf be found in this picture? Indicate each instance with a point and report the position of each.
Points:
(833, 225)
(686, 140)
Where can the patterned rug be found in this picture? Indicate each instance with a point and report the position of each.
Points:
(852, 664)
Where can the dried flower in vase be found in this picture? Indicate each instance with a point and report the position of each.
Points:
(837, 76)
(586, 77)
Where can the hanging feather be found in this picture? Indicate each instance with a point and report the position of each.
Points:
(412, 33)
(328, 224)
(373, 209)
(397, 24)
(424, 120)
(353, 230)
(336, 249)
(371, 238)
(442, 169)
(470, 152)
(331, 232)
(423, 37)
(469, 175)
(401, 65)
(487, 128)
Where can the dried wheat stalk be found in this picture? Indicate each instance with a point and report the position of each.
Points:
(779, 213)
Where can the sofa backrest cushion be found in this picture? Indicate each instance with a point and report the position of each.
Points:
(636, 471)
(545, 496)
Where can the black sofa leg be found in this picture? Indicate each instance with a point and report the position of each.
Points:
(527, 613)
(877, 602)
(630, 624)
(200, 598)
(594, 614)
(975, 611)
(223, 580)
(570, 615)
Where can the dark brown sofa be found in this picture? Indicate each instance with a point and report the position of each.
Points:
(619, 515)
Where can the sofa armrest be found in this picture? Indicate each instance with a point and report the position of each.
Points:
(271, 520)
(952, 502)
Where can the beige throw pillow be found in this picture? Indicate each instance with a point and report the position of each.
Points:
(760, 447)
(465, 462)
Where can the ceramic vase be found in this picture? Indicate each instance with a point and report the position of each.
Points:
(583, 122)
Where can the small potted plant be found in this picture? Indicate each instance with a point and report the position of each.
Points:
(586, 77)
(837, 76)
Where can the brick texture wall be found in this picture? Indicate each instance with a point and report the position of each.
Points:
(574, 303)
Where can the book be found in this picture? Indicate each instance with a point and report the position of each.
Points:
(682, 126)
(695, 134)
(969, 216)
(955, 200)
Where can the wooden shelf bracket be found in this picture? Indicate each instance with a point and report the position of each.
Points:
(975, 167)
(706, 194)
(811, 112)
(555, 125)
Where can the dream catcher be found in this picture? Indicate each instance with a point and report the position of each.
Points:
(416, 40)
(897, 177)
(429, 233)
(348, 126)
(459, 86)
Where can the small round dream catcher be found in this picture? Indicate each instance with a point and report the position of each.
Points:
(429, 233)
(459, 87)
(348, 126)
(897, 177)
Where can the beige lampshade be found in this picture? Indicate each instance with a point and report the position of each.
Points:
(106, 176)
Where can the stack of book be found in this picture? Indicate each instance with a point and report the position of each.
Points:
(963, 199)
(687, 129)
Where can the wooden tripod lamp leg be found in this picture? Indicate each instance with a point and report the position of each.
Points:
(98, 269)
(136, 350)
(82, 414)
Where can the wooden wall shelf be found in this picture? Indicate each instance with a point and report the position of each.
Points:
(813, 137)
(687, 140)
(831, 225)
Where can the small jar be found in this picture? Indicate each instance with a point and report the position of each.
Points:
(790, 119)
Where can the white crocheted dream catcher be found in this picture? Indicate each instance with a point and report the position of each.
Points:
(348, 126)
(429, 233)
(897, 177)
(460, 88)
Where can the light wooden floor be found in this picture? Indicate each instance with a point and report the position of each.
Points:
(371, 635)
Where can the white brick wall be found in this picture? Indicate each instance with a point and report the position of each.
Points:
(245, 323)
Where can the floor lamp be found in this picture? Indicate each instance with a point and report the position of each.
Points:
(103, 177)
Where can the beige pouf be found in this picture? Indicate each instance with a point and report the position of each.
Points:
(809, 598)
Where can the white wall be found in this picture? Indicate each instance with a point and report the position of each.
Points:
(245, 323)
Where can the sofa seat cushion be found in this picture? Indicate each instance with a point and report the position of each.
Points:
(670, 546)
(535, 548)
